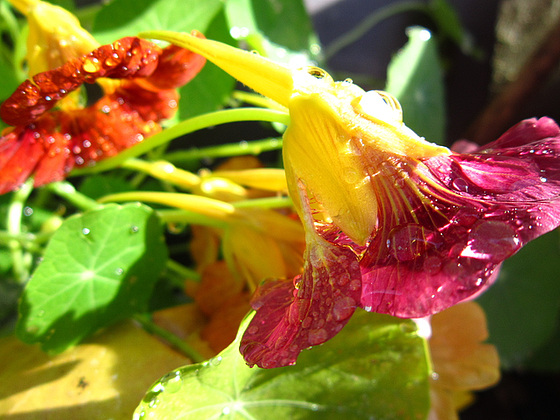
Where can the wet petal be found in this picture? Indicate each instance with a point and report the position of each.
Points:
(127, 57)
(312, 309)
(54, 142)
(453, 219)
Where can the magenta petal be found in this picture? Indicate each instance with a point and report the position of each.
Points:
(456, 217)
(312, 309)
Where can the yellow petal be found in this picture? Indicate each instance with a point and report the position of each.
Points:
(55, 35)
(260, 74)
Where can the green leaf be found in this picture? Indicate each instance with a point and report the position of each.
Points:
(9, 80)
(415, 78)
(375, 367)
(449, 25)
(262, 24)
(99, 267)
(523, 305)
(128, 17)
(212, 87)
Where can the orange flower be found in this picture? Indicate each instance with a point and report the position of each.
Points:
(53, 132)
(462, 362)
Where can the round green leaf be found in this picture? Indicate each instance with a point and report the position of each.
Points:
(376, 367)
(99, 267)
(128, 17)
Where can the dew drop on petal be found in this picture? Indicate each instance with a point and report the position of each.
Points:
(317, 336)
(343, 308)
(492, 240)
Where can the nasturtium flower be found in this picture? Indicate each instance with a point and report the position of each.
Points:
(394, 224)
(51, 134)
(462, 362)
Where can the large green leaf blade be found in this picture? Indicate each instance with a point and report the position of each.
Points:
(128, 17)
(375, 368)
(415, 78)
(262, 25)
(99, 267)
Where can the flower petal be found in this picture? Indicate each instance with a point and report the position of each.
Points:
(312, 309)
(53, 143)
(453, 219)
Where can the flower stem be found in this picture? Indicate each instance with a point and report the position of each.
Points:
(226, 150)
(185, 127)
(146, 322)
(369, 22)
(182, 271)
(69, 193)
(13, 221)
(265, 203)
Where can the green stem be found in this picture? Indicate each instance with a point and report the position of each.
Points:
(183, 272)
(20, 268)
(69, 193)
(265, 203)
(226, 150)
(146, 322)
(171, 216)
(369, 22)
(185, 127)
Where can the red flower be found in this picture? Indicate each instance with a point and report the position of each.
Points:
(47, 142)
(393, 224)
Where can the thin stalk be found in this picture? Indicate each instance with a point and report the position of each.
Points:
(185, 127)
(20, 266)
(69, 193)
(146, 322)
(185, 273)
(369, 22)
(226, 150)
(264, 203)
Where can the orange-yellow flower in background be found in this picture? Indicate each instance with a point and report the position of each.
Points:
(461, 361)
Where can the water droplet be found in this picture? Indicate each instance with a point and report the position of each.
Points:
(86, 231)
(134, 229)
(226, 411)
(352, 175)
(460, 185)
(307, 322)
(432, 265)
(407, 242)
(317, 336)
(119, 271)
(215, 361)
(492, 240)
(172, 382)
(27, 211)
(91, 65)
(343, 308)
(252, 329)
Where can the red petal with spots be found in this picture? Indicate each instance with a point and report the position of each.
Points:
(312, 309)
(49, 145)
(125, 58)
(454, 219)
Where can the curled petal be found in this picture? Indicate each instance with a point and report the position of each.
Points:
(125, 58)
(312, 309)
(453, 219)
